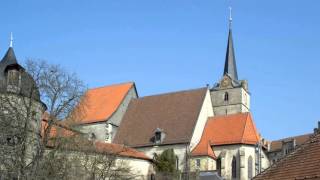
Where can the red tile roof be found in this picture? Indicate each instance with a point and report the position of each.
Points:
(82, 144)
(203, 149)
(120, 150)
(230, 129)
(277, 145)
(99, 104)
(303, 163)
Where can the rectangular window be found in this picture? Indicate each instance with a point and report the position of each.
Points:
(198, 163)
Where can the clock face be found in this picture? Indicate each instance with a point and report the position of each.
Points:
(225, 82)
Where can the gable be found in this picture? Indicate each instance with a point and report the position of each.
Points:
(99, 104)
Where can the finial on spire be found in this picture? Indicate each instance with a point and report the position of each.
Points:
(11, 39)
(230, 16)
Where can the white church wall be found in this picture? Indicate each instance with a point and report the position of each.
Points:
(99, 130)
(242, 154)
(179, 149)
(205, 163)
(205, 112)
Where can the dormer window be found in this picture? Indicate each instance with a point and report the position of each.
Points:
(158, 136)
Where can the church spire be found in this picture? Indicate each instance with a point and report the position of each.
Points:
(230, 66)
(11, 40)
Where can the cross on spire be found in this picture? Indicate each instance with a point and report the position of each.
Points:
(11, 40)
(230, 66)
(230, 16)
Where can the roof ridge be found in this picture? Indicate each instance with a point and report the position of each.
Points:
(118, 84)
(245, 127)
(174, 92)
(292, 137)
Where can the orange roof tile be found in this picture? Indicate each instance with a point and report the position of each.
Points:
(302, 163)
(57, 130)
(120, 150)
(100, 103)
(203, 149)
(228, 129)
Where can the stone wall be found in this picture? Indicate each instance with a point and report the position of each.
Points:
(238, 101)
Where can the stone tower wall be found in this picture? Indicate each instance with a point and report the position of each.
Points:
(238, 101)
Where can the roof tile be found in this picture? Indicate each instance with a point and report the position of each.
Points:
(100, 103)
(175, 113)
(303, 163)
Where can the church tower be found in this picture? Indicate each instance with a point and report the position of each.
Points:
(230, 95)
(20, 112)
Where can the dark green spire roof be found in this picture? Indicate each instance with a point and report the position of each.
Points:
(230, 66)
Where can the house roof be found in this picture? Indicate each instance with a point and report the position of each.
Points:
(175, 113)
(99, 104)
(203, 149)
(277, 145)
(303, 163)
(79, 143)
(230, 129)
(120, 150)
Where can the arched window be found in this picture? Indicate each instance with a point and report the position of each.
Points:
(219, 166)
(234, 167)
(177, 163)
(226, 96)
(250, 173)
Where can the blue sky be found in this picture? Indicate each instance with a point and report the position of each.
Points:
(171, 45)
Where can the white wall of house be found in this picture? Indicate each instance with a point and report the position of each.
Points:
(206, 111)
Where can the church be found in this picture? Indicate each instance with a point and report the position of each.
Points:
(210, 129)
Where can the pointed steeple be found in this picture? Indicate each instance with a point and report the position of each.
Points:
(9, 57)
(230, 66)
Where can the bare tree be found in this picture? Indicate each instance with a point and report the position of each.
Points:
(34, 146)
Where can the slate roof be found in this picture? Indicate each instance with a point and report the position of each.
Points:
(230, 129)
(230, 66)
(27, 83)
(175, 113)
(99, 104)
(303, 163)
(277, 145)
